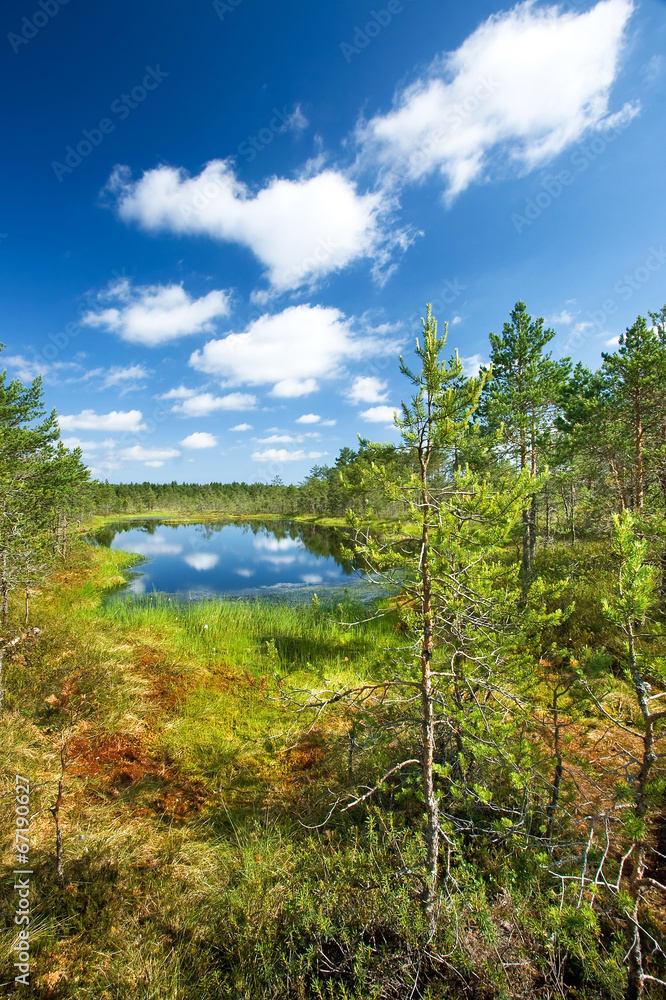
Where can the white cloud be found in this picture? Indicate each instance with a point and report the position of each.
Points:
(312, 578)
(291, 350)
(379, 414)
(300, 230)
(198, 440)
(472, 365)
(244, 572)
(282, 455)
(279, 439)
(154, 457)
(456, 320)
(155, 314)
(75, 442)
(367, 389)
(292, 388)
(308, 418)
(564, 318)
(241, 427)
(116, 420)
(612, 341)
(202, 560)
(296, 121)
(328, 423)
(118, 376)
(524, 85)
(28, 369)
(194, 404)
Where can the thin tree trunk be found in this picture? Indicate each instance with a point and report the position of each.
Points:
(559, 767)
(639, 497)
(546, 542)
(428, 727)
(527, 544)
(636, 975)
(55, 811)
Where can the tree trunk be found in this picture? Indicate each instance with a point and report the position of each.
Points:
(527, 544)
(533, 528)
(639, 494)
(559, 767)
(429, 897)
(636, 975)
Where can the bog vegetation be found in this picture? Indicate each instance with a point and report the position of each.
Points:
(457, 791)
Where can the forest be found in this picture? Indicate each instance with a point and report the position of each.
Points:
(455, 790)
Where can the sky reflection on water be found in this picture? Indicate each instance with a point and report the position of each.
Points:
(233, 557)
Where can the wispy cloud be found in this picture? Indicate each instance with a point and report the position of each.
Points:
(524, 86)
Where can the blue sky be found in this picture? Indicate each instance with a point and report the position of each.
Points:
(221, 222)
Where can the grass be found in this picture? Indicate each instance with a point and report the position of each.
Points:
(188, 872)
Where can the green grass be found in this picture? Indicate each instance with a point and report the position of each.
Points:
(189, 874)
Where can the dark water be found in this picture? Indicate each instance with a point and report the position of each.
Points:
(199, 560)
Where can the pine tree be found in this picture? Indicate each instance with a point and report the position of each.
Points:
(521, 401)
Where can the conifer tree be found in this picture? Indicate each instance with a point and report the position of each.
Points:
(521, 400)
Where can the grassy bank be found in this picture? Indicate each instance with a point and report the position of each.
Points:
(189, 783)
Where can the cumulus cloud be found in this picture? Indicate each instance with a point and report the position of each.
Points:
(282, 455)
(85, 446)
(198, 440)
(241, 427)
(291, 350)
(200, 404)
(308, 418)
(367, 389)
(279, 439)
(155, 314)
(292, 388)
(523, 86)
(153, 457)
(116, 420)
(379, 414)
(300, 230)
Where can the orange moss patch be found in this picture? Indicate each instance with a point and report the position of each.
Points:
(123, 760)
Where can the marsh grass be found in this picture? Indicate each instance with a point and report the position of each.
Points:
(188, 873)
